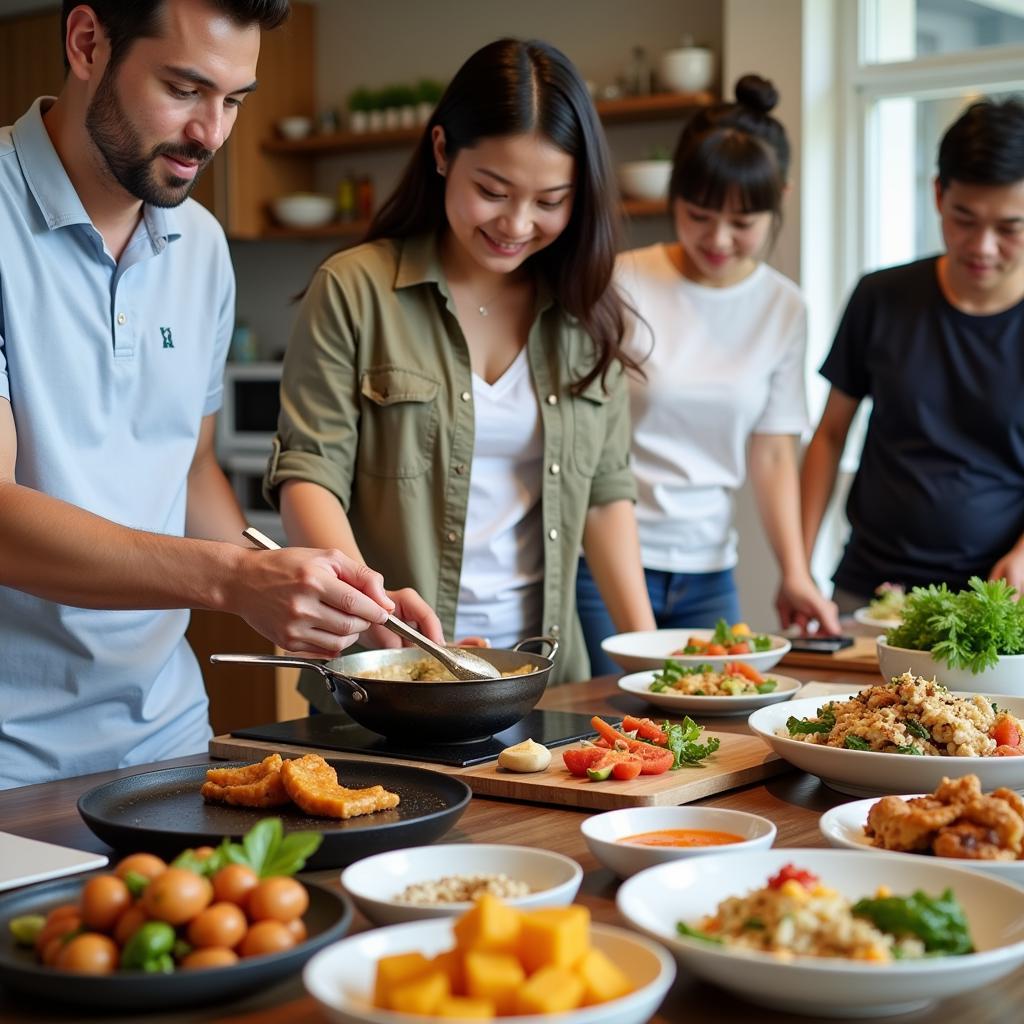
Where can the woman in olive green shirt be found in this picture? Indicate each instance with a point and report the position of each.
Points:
(454, 408)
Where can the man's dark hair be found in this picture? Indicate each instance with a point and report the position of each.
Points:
(128, 20)
(985, 145)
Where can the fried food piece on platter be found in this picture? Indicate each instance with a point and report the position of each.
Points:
(968, 841)
(253, 785)
(313, 784)
(895, 824)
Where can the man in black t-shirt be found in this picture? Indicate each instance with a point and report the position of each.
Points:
(938, 346)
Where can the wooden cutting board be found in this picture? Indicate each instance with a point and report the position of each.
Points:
(861, 657)
(739, 761)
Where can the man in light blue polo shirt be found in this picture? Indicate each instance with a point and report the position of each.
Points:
(116, 306)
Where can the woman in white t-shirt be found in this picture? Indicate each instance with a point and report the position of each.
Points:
(724, 390)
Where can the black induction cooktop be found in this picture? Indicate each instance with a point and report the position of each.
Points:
(551, 728)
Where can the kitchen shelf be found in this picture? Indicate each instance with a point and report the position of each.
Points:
(656, 107)
(645, 207)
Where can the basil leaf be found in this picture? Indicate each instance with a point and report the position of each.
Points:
(261, 842)
(853, 742)
(915, 728)
(939, 921)
(291, 856)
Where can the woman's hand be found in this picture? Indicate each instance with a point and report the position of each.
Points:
(799, 602)
(1010, 568)
(412, 610)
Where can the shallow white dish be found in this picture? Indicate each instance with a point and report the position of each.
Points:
(684, 703)
(340, 978)
(303, 210)
(843, 827)
(295, 127)
(869, 773)
(602, 832)
(1006, 677)
(865, 618)
(645, 179)
(374, 881)
(656, 899)
(635, 652)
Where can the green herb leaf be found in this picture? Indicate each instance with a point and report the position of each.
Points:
(853, 742)
(939, 922)
(915, 728)
(910, 748)
(693, 933)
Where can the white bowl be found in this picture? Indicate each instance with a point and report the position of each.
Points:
(374, 881)
(639, 684)
(688, 69)
(303, 210)
(340, 978)
(843, 827)
(655, 900)
(1006, 676)
(870, 773)
(634, 652)
(602, 832)
(865, 618)
(295, 127)
(645, 179)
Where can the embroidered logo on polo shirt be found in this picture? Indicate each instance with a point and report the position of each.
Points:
(165, 333)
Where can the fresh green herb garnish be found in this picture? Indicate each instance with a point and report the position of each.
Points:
(673, 672)
(853, 742)
(264, 848)
(939, 922)
(768, 686)
(694, 933)
(682, 741)
(969, 629)
(915, 728)
(754, 924)
(825, 722)
(910, 748)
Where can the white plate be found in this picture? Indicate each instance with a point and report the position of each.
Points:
(635, 652)
(687, 890)
(28, 860)
(843, 827)
(865, 618)
(340, 978)
(684, 703)
(374, 881)
(869, 773)
(603, 833)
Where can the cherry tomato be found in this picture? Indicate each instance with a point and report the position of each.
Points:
(104, 899)
(211, 956)
(266, 937)
(177, 895)
(129, 923)
(220, 924)
(232, 884)
(146, 864)
(51, 949)
(1006, 733)
(298, 929)
(64, 910)
(58, 928)
(278, 899)
(89, 953)
(790, 872)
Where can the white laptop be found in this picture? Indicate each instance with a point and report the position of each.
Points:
(28, 860)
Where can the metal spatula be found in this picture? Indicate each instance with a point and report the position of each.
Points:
(462, 664)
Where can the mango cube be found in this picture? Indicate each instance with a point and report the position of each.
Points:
(494, 976)
(490, 926)
(451, 963)
(602, 979)
(550, 990)
(463, 1008)
(396, 970)
(421, 995)
(554, 937)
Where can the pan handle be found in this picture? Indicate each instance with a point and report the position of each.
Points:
(330, 677)
(549, 640)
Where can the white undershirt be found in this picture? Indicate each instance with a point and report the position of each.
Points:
(500, 591)
(726, 363)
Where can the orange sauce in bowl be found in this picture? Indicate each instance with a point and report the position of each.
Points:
(682, 837)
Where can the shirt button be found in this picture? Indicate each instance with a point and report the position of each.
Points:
(552, 399)
(552, 534)
(453, 536)
(554, 630)
(460, 468)
(122, 319)
(465, 396)
(555, 469)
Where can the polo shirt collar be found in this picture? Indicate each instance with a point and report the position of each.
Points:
(52, 189)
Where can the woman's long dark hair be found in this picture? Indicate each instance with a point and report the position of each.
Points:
(512, 87)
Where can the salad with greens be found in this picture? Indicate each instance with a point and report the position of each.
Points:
(968, 629)
(735, 680)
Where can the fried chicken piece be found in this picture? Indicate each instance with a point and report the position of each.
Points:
(958, 791)
(1001, 818)
(313, 784)
(969, 841)
(266, 792)
(245, 774)
(895, 824)
(1008, 796)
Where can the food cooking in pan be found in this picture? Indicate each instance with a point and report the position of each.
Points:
(425, 670)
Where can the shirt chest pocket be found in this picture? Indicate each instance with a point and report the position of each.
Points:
(589, 426)
(399, 422)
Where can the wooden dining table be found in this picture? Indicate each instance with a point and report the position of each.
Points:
(793, 800)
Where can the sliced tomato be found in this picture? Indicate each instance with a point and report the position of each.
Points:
(644, 728)
(790, 872)
(738, 648)
(715, 649)
(1006, 732)
(1004, 751)
(628, 768)
(741, 668)
(655, 760)
(694, 641)
(579, 759)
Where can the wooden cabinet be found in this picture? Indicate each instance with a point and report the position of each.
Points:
(31, 62)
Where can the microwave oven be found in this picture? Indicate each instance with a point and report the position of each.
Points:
(248, 417)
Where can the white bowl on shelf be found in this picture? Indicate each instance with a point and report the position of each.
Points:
(687, 69)
(303, 210)
(645, 179)
(373, 882)
(1006, 677)
(295, 127)
(341, 977)
(604, 834)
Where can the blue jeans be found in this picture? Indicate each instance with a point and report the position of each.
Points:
(680, 600)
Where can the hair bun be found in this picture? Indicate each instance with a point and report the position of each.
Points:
(757, 94)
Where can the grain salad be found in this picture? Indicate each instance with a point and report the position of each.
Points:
(462, 889)
(909, 715)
